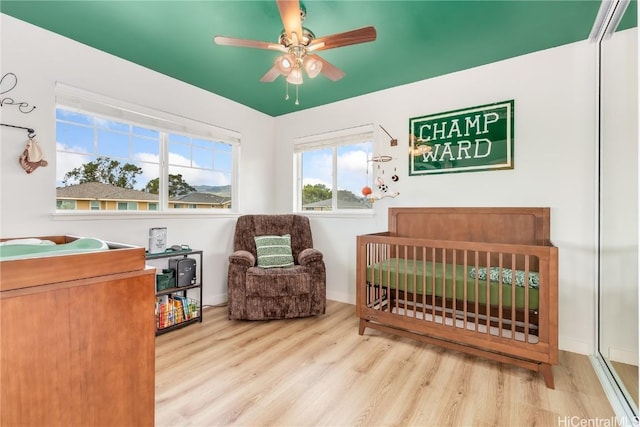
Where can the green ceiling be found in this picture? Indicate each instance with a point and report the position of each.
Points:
(416, 40)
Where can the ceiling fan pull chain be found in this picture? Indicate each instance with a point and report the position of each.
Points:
(297, 103)
(286, 97)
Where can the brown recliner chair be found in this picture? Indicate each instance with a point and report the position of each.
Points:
(257, 293)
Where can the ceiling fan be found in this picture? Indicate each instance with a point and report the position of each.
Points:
(298, 45)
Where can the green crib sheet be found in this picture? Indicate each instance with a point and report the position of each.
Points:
(419, 275)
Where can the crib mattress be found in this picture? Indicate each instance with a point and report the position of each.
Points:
(420, 277)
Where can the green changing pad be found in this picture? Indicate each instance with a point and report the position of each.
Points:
(35, 248)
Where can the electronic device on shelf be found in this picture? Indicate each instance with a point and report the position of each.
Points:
(178, 248)
(185, 271)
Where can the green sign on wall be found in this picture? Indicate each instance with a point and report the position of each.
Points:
(468, 140)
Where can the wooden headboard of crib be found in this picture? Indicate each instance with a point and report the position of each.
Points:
(525, 226)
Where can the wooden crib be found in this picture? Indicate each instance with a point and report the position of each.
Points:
(479, 280)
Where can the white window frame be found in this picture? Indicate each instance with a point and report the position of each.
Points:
(332, 140)
(86, 102)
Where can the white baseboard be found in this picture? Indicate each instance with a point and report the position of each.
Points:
(341, 297)
(574, 346)
(623, 356)
(215, 299)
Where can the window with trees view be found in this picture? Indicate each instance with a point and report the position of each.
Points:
(106, 164)
(333, 168)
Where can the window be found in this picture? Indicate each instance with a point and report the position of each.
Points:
(127, 206)
(65, 204)
(117, 157)
(333, 168)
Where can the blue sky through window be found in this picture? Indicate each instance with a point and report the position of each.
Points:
(351, 167)
(82, 138)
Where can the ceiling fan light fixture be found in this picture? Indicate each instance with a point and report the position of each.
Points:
(295, 77)
(285, 63)
(312, 66)
(307, 36)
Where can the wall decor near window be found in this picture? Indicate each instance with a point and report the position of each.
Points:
(32, 157)
(467, 140)
(8, 82)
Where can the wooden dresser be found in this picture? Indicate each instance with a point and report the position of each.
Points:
(77, 339)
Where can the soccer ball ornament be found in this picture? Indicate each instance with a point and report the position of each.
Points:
(381, 185)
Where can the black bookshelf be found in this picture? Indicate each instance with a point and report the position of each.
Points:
(171, 313)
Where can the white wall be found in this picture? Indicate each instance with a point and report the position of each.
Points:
(40, 58)
(554, 164)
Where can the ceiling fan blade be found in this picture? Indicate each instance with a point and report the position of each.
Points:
(329, 70)
(361, 35)
(271, 75)
(290, 14)
(232, 41)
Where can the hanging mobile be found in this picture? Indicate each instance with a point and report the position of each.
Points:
(366, 190)
(394, 177)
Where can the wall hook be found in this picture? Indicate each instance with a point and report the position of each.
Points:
(30, 132)
(394, 141)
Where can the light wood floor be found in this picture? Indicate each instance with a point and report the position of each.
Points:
(319, 371)
(628, 374)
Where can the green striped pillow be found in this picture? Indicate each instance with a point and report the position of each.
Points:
(274, 251)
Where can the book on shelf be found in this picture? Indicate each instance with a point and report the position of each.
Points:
(164, 312)
(176, 307)
(184, 303)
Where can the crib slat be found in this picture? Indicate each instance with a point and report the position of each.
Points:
(476, 291)
(424, 283)
(500, 315)
(454, 287)
(397, 273)
(513, 299)
(443, 292)
(433, 283)
(487, 303)
(526, 297)
(385, 289)
(464, 291)
(405, 280)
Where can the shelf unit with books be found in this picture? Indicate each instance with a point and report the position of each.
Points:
(177, 306)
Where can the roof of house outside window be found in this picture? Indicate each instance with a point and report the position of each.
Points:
(202, 198)
(100, 191)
